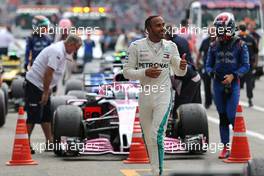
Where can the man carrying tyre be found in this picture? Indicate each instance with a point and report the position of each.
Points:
(45, 73)
(227, 61)
(150, 60)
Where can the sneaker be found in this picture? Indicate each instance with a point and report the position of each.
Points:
(250, 103)
(32, 151)
(224, 153)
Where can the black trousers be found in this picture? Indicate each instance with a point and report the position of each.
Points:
(190, 93)
(249, 79)
(36, 113)
(207, 89)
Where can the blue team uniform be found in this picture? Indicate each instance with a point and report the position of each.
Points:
(34, 45)
(232, 58)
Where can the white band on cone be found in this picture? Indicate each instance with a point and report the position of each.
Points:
(136, 123)
(239, 114)
(137, 135)
(240, 134)
(21, 117)
(21, 136)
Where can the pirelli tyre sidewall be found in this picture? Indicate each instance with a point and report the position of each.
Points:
(67, 122)
(2, 108)
(5, 90)
(73, 84)
(193, 121)
(77, 93)
(17, 88)
(255, 167)
(56, 101)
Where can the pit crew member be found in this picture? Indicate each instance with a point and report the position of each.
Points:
(41, 78)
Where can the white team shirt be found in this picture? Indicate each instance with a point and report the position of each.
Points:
(53, 56)
(6, 38)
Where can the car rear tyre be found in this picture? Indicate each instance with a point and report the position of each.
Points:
(17, 88)
(56, 101)
(193, 121)
(67, 122)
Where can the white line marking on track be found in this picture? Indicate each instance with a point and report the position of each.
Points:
(249, 132)
(243, 103)
(258, 108)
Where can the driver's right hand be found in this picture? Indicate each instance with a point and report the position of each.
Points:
(153, 72)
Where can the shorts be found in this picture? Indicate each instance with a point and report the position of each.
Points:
(36, 113)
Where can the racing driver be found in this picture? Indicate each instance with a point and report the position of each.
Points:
(227, 61)
(150, 60)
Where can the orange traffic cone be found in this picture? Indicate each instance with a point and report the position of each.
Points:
(240, 148)
(21, 151)
(138, 153)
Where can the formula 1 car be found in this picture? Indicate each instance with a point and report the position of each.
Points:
(103, 123)
(96, 121)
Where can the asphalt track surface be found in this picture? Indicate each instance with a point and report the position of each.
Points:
(109, 165)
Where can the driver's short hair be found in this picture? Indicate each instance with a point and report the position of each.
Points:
(73, 39)
(148, 21)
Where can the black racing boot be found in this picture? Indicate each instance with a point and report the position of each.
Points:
(250, 103)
